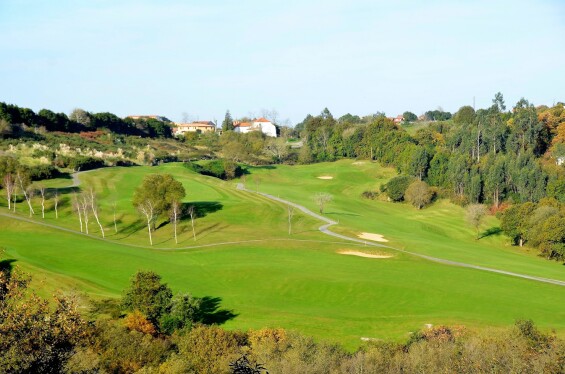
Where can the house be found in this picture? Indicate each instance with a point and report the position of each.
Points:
(259, 124)
(398, 119)
(151, 116)
(196, 126)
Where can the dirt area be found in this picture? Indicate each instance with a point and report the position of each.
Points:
(362, 254)
(325, 177)
(373, 237)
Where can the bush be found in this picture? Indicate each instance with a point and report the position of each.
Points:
(40, 172)
(419, 194)
(396, 187)
(222, 169)
(371, 195)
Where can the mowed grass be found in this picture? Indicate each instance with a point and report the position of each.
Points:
(439, 230)
(305, 286)
(301, 283)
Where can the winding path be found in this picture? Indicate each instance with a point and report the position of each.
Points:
(328, 223)
(324, 229)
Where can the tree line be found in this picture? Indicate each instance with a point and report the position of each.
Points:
(16, 121)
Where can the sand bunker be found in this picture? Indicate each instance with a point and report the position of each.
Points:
(325, 177)
(374, 237)
(358, 163)
(362, 254)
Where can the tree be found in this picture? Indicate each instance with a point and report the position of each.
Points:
(28, 192)
(396, 187)
(464, 116)
(56, 203)
(156, 194)
(409, 116)
(42, 193)
(9, 185)
(322, 199)
(290, 211)
(80, 116)
(84, 202)
(191, 212)
(94, 207)
(475, 215)
(148, 295)
(418, 194)
(227, 124)
(76, 208)
(146, 208)
(175, 216)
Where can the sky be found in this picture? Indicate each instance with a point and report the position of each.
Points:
(202, 58)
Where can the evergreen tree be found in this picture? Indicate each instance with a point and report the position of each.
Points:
(227, 124)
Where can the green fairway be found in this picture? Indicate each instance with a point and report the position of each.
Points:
(298, 282)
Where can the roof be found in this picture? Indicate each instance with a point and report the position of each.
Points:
(242, 124)
(262, 119)
(197, 124)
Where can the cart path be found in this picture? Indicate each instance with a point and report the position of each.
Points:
(328, 223)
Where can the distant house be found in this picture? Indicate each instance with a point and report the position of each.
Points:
(398, 119)
(196, 126)
(151, 116)
(259, 124)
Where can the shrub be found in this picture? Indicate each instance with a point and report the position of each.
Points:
(371, 195)
(396, 187)
(419, 194)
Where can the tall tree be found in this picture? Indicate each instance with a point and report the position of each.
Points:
(227, 124)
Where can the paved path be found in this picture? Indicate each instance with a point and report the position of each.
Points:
(328, 223)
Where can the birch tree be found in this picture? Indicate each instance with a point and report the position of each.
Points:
(322, 199)
(85, 205)
(56, 200)
(28, 193)
(76, 208)
(114, 211)
(9, 185)
(146, 208)
(290, 210)
(191, 212)
(175, 215)
(42, 193)
(94, 208)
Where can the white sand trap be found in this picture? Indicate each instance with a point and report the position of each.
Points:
(373, 237)
(359, 163)
(362, 254)
(325, 177)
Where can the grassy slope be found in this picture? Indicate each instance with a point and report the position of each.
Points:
(439, 230)
(299, 285)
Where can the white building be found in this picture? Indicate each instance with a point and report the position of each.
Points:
(260, 124)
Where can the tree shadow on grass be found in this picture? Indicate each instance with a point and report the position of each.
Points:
(491, 232)
(202, 208)
(132, 228)
(211, 312)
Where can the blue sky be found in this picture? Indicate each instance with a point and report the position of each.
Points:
(297, 57)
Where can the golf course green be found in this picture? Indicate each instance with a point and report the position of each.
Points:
(242, 253)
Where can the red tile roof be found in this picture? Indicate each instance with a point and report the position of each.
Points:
(243, 124)
(262, 119)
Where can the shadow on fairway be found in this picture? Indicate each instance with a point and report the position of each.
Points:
(202, 208)
(211, 312)
(490, 232)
